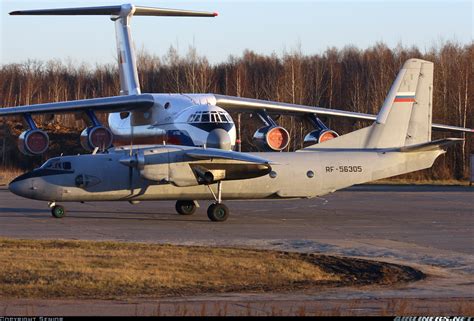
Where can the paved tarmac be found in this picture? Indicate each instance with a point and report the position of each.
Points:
(427, 227)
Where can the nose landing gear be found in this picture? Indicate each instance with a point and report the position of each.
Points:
(58, 211)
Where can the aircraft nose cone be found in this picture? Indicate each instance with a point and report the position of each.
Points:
(19, 186)
(219, 138)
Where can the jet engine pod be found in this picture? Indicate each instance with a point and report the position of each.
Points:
(319, 136)
(97, 136)
(274, 138)
(33, 142)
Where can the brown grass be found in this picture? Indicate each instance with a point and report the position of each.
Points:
(8, 174)
(82, 269)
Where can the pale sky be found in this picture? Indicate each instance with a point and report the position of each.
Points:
(262, 26)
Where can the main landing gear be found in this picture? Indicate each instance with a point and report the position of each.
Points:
(186, 207)
(217, 212)
(58, 211)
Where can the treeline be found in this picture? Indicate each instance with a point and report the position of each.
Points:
(348, 78)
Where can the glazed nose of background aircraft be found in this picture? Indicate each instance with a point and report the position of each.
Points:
(219, 138)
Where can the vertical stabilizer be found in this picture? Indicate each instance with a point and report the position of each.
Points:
(127, 61)
(405, 116)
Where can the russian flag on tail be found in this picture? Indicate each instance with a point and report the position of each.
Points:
(404, 97)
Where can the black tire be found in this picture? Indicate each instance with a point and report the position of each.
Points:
(58, 211)
(185, 207)
(218, 212)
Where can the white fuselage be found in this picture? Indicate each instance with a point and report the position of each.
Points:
(180, 119)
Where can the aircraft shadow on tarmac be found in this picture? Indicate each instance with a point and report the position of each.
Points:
(410, 188)
(21, 210)
(27, 212)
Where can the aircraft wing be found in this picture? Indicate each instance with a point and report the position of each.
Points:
(238, 104)
(210, 154)
(107, 104)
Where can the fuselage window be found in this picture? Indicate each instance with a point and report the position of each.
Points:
(67, 165)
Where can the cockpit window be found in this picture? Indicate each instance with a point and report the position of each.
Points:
(213, 117)
(222, 117)
(205, 117)
(56, 163)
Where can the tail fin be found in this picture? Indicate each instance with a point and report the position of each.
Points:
(122, 15)
(405, 117)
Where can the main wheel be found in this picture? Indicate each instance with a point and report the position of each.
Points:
(58, 211)
(218, 212)
(185, 207)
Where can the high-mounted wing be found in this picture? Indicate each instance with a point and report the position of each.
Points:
(238, 104)
(211, 154)
(107, 104)
(213, 165)
(187, 166)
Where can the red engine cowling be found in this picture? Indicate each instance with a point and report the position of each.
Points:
(33, 142)
(319, 136)
(97, 136)
(274, 138)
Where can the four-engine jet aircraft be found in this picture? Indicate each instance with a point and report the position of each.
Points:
(398, 142)
(183, 119)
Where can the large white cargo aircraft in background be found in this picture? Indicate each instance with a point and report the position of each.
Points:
(183, 119)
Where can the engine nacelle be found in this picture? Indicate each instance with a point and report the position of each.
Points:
(33, 142)
(319, 136)
(97, 136)
(274, 138)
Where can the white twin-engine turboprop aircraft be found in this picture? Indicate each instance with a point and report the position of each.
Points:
(183, 119)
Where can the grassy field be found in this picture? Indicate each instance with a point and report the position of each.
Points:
(112, 270)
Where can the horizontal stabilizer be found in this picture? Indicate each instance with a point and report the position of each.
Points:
(223, 154)
(107, 104)
(433, 145)
(116, 10)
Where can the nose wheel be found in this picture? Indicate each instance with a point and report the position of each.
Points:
(217, 212)
(58, 211)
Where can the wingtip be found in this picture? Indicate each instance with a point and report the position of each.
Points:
(216, 14)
